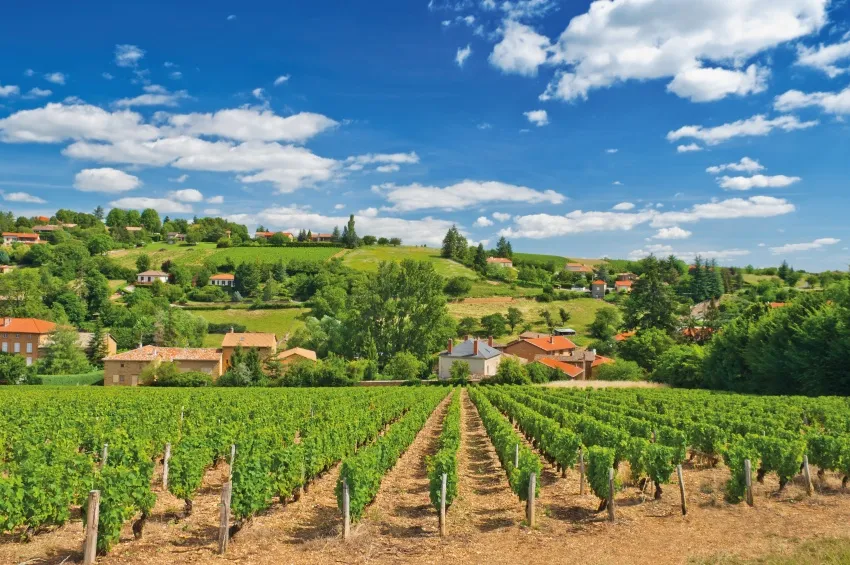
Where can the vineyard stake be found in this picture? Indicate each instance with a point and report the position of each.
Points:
(443, 506)
(611, 494)
(232, 457)
(748, 481)
(516, 456)
(165, 461)
(103, 455)
(532, 486)
(581, 470)
(682, 490)
(181, 414)
(224, 518)
(346, 510)
(92, 519)
(807, 475)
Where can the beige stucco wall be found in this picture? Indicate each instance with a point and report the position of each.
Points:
(126, 373)
(477, 366)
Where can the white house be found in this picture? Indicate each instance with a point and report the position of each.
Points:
(222, 279)
(483, 359)
(148, 277)
(500, 262)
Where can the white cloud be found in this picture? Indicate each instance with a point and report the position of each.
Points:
(58, 122)
(663, 249)
(810, 246)
(485, 125)
(23, 197)
(745, 165)
(161, 205)
(623, 206)
(621, 40)
(707, 85)
(9, 90)
(231, 17)
(215, 200)
(501, 216)
(105, 180)
(368, 213)
(464, 194)
(212, 211)
(246, 124)
(537, 117)
(483, 222)
(258, 93)
(756, 181)
(29, 72)
(175, 75)
(524, 9)
(388, 168)
(186, 195)
(155, 95)
(128, 55)
(689, 148)
(617, 183)
(540, 226)
(673, 232)
(427, 230)
(757, 125)
(181, 179)
(825, 57)
(462, 55)
(281, 79)
(38, 93)
(107, 76)
(831, 102)
(389, 162)
(55, 78)
(611, 151)
(339, 206)
(521, 50)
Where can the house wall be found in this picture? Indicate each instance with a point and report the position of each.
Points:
(25, 345)
(218, 282)
(597, 291)
(477, 366)
(528, 351)
(126, 373)
(227, 352)
(149, 280)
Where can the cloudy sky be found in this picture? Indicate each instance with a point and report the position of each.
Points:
(607, 128)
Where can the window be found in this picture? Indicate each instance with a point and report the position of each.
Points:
(115, 379)
(17, 335)
(29, 348)
(5, 347)
(17, 347)
(29, 361)
(122, 365)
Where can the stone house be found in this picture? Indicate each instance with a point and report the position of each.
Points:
(483, 359)
(125, 368)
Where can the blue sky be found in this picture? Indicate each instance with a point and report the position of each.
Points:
(613, 128)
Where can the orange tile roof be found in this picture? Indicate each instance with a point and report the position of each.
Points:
(21, 235)
(623, 336)
(254, 339)
(600, 360)
(599, 281)
(264, 234)
(152, 352)
(778, 304)
(26, 326)
(223, 277)
(498, 260)
(570, 370)
(623, 283)
(551, 343)
(300, 351)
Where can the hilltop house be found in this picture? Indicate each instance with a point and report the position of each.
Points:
(295, 355)
(24, 336)
(578, 268)
(149, 277)
(483, 359)
(264, 343)
(173, 236)
(598, 288)
(14, 237)
(223, 279)
(322, 237)
(500, 262)
(125, 368)
(623, 286)
(530, 348)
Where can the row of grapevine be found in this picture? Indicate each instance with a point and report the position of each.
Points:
(444, 462)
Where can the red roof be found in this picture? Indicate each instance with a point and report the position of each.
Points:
(223, 277)
(778, 304)
(623, 283)
(21, 235)
(264, 234)
(498, 260)
(570, 370)
(600, 281)
(26, 326)
(551, 343)
(600, 360)
(623, 336)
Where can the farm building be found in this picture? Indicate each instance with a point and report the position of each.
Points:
(223, 279)
(295, 355)
(173, 236)
(623, 286)
(483, 359)
(500, 262)
(149, 277)
(598, 288)
(264, 343)
(529, 349)
(322, 237)
(14, 237)
(125, 368)
(24, 336)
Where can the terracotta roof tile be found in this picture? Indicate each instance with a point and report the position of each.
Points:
(26, 326)
(151, 352)
(233, 339)
(566, 368)
(299, 351)
(552, 343)
(223, 277)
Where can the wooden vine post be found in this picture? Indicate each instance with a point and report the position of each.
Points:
(232, 458)
(165, 462)
(224, 518)
(581, 471)
(748, 481)
(92, 519)
(807, 475)
(443, 505)
(104, 453)
(682, 490)
(529, 507)
(346, 510)
(611, 494)
(516, 456)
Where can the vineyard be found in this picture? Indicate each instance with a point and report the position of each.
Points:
(600, 466)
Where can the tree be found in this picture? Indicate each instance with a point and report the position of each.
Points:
(98, 212)
(514, 318)
(247, 278)
(99, 244)
(645, 347)
(63, 355)
(651, 303)
(459, 373)
(404, 366)
(369, 240)
(547, 319)
(97, 348)
(619, 370)
(564, 315)
(143, 262)
(783, 270)
(503, 248)
(395, 241)
(494, 325)
(681, 366)
(467, 326)
(511, 372)
(150, 220)
(134, 218)
(336, 237)
(605, 324)
(96, 292)
(454, 245)
(458, 286)
(14, 370)
(116, 218)
(350, 238)
(479, 262)
(278, 239)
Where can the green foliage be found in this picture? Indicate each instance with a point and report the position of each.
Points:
(651, 304)
(444, 461)
(14, 370)
(185, 379)
(681, 366)
(458, 286)
(459, 373)
(64, 355)
(404, 366)
(599, 462)
(619, 370)
(494, 325)
(510, 372)
(646, 347)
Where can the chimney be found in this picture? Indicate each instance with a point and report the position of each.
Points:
(7, 321)
(231, 329)
(551, 339)
(594, 351)
(475, 347)
(490, 341)
(451, 344)
(466, 338)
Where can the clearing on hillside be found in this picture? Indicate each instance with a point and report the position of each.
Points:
(368, 258)
(195, 255)
(277, 321)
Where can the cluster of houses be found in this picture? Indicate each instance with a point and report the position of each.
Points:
(315, 237)
(30, 338)
(555, 351)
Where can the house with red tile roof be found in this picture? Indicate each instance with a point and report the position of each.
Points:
(530, 348)
(264, 343)
(23, 336)
(15, 237)
(322, 237)
(500, 262)
(598, 288)
(126, 368)
(570, 370)
(223, 279)
(623, 286)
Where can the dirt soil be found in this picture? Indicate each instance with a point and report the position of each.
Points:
(485, 524)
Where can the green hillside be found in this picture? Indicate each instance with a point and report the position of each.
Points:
(368, 258)
(197, 254)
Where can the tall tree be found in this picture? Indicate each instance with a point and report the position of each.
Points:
(98, 212)
(503, 248)
(64, 356)
(143, 262)
(150, 220)
(514, 318)
(651, 303)
(351, 240)
(480, 260)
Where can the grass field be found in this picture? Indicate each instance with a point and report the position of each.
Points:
(368, 258)
(279, 322)
(755, 279)
(83, 379)
(196, 255)
(582, 312)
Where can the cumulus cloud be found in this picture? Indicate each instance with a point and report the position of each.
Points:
(181, 179)
(521, 50)
(215, 200)
(617, 41)
(128, 55)
(663, 249)
(825, 57)
(756, 181)
(247, 124)
(339, 206)
(259, 94)
(55, 78)
(830, 102)
(483, 222)
(9, 90)
(462, 55)
(281, 79)
(387, 162)
(106, 180)
(757, 125)
(501, 216)
(673, 232)
(371, 212)
(810, 246)
(611, 151)
(745, 165)
(537, 117)
(623, 206)
(459, 196)
(388, 168)
(22, 197)
(58, 122)
(161, 205)
(155, 95)
(38, 93)
(187, 195)
(689, 148)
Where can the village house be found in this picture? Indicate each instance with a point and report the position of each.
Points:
(174, 237)
(24, 336)
(84, 342)
(125, 368)
(322, 237)
(14, 237)
(6, 269)
(149, 277)
(264, 343)
(623, 336)
(529, 349)
(46, 228)
(571, 371)
(269, 234)
(500, 262)
(623, 286)
(627, 277)
(483, 359)
(578, 268)
(578, 365)
(295, 355)
(223, 279)
(598, 289)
